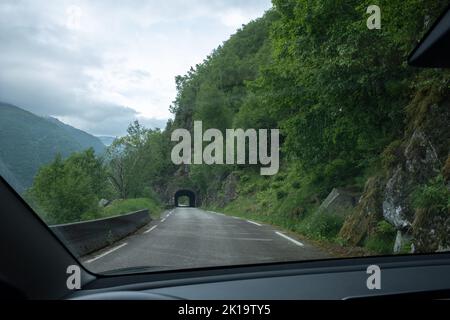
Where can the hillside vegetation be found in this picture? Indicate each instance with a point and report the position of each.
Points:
(28, 141)
(352, 115)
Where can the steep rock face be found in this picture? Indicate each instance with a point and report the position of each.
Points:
(431, 231)
(424, 153)
(420, 157)
(362, 222)
(223, 193)
(421, 163)
(229, 189)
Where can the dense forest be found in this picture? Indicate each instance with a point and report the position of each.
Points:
(352, 115)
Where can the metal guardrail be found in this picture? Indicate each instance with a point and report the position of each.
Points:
(85, 237)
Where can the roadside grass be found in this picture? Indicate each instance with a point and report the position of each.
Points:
(379, 245)
(118, 207)
(290, 201)
(315, 226)
(320, 229)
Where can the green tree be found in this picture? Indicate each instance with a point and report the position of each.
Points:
(65, 189)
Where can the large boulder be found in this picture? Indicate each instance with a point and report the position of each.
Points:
(339, 201)
(421, 163)
(403, 243)
(103, 203)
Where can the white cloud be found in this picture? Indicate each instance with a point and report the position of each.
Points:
(235, 18)
(65, 58)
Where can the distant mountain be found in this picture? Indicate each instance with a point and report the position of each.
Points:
(10, 177)
(85, 140)
(107, 140)
(28, 141)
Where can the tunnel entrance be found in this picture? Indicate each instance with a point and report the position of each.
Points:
(184, 193)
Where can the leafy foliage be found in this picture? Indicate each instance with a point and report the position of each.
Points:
(65, 189)
(138, 161)
(435, 195)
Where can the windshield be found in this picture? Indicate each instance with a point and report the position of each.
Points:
(166, 135)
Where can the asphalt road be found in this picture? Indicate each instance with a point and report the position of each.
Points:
(191, 237)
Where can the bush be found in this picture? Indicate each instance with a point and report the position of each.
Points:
(322, 225)
(382, 241)
(281, 194)
(379, 245)
(296, 184)
(433, 196)
(244, 178)
(385, 229)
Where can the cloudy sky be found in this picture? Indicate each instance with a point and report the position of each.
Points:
(98, 65)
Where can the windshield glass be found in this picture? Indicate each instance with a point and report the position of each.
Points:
(157, 135)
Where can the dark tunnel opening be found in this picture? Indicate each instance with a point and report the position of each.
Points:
(185, 193)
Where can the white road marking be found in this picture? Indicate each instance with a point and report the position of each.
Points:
(150, 229)
(251, 239)
(290, 239)
(107, 252)
(249, 221)
(163, 219)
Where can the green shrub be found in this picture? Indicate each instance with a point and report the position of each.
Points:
(382, 241)
(281, 194)
(67, 188)
(296, 184)
(379, 245)
(386, 229)
(433, 195)
(322, 226)
(244, 178)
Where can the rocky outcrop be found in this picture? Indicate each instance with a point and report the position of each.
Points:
(431, 231)
(229, 189)
(363, 221)
(103, 203)
(419, 158)
(403, 243)
(421, 163)
(222, 194)
(424, 156)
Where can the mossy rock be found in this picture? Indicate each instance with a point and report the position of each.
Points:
(446, 170)
(363, 221)
(431, 230)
